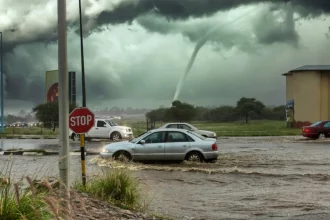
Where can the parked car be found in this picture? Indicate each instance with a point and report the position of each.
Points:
(164, 144)
(320, 129)
(104, 129)
(19, 124)
(189, 127)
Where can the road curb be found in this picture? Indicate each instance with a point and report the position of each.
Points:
(45, 153)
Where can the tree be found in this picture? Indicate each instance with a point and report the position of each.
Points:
(181, 111)
(247, 106)
(48, 113)
(157, 114)
(223, 114)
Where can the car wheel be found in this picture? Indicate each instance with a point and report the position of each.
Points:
(194, 157)
(122, 156)
(322, 136)
(115, 136)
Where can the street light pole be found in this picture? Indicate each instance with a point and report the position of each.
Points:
(2, 88)
(82, 136)
(63, 100)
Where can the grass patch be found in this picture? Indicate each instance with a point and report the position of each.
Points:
(29, 131)
(231, 129)
(253, 128)
(117, 187)
(17, 203)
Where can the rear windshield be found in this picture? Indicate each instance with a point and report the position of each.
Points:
(316, 123)
(197, 135)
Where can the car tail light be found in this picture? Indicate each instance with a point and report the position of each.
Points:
(214, 147)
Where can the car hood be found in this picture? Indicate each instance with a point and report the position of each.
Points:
(123, 127)
(119, 145)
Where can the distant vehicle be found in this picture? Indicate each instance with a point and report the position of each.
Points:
(104, 129)
(164, 144)
(19, 124)
(34, 124)
(320, 129)
(189, 127)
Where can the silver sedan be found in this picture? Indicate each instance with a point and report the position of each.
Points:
(164, 144)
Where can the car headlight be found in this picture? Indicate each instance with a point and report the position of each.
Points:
(105, 150)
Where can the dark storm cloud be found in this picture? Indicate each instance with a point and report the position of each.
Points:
(127, 11)
(29, 86)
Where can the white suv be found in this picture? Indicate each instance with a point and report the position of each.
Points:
(104, 129)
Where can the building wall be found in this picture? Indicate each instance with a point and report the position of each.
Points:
(311, 92)
(324, 96)
(289, 87)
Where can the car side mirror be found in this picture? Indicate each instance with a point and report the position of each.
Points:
(142, 142)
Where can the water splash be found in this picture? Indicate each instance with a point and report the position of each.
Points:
(198, 46)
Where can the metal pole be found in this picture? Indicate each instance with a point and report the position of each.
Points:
(82, 136)
(63, 100)
(2, 89)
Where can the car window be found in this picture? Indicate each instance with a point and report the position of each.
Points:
(196, 135)
(172, 126)
(157, 137)
(139, 136)
(101, 124)
(175, 136)
(327, 125)
(111, 123)
(316, 123)
(190, 139)
(183, 126)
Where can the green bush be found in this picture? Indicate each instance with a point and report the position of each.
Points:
(18, 203)
(117, 187)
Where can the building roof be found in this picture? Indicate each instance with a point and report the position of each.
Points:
(309, 68)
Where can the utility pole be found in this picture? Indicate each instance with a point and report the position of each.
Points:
(63, 100)
(2, 88)
(82, 136)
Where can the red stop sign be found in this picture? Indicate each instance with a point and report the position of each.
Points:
(81, 120)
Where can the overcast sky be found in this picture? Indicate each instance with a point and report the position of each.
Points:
(137, 51)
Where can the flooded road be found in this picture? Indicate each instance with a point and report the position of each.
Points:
(46, 144)
(254, 178)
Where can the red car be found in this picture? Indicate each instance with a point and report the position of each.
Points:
(320, 129)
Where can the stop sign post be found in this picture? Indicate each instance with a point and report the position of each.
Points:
(81, 120)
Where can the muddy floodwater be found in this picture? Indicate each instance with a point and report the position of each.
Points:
(254, 178)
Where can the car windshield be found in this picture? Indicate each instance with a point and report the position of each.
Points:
(316, 123)
(111, 123)
(197, 135)
(138, 137)
(194, 128)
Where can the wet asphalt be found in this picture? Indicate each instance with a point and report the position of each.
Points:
(254, 178)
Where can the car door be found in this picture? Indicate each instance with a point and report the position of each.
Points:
(102, 129)
(326, 128)
(176, 145)
(152, 149)
(92, 132)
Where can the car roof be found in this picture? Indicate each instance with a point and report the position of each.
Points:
(176, 123)
(167, 129)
